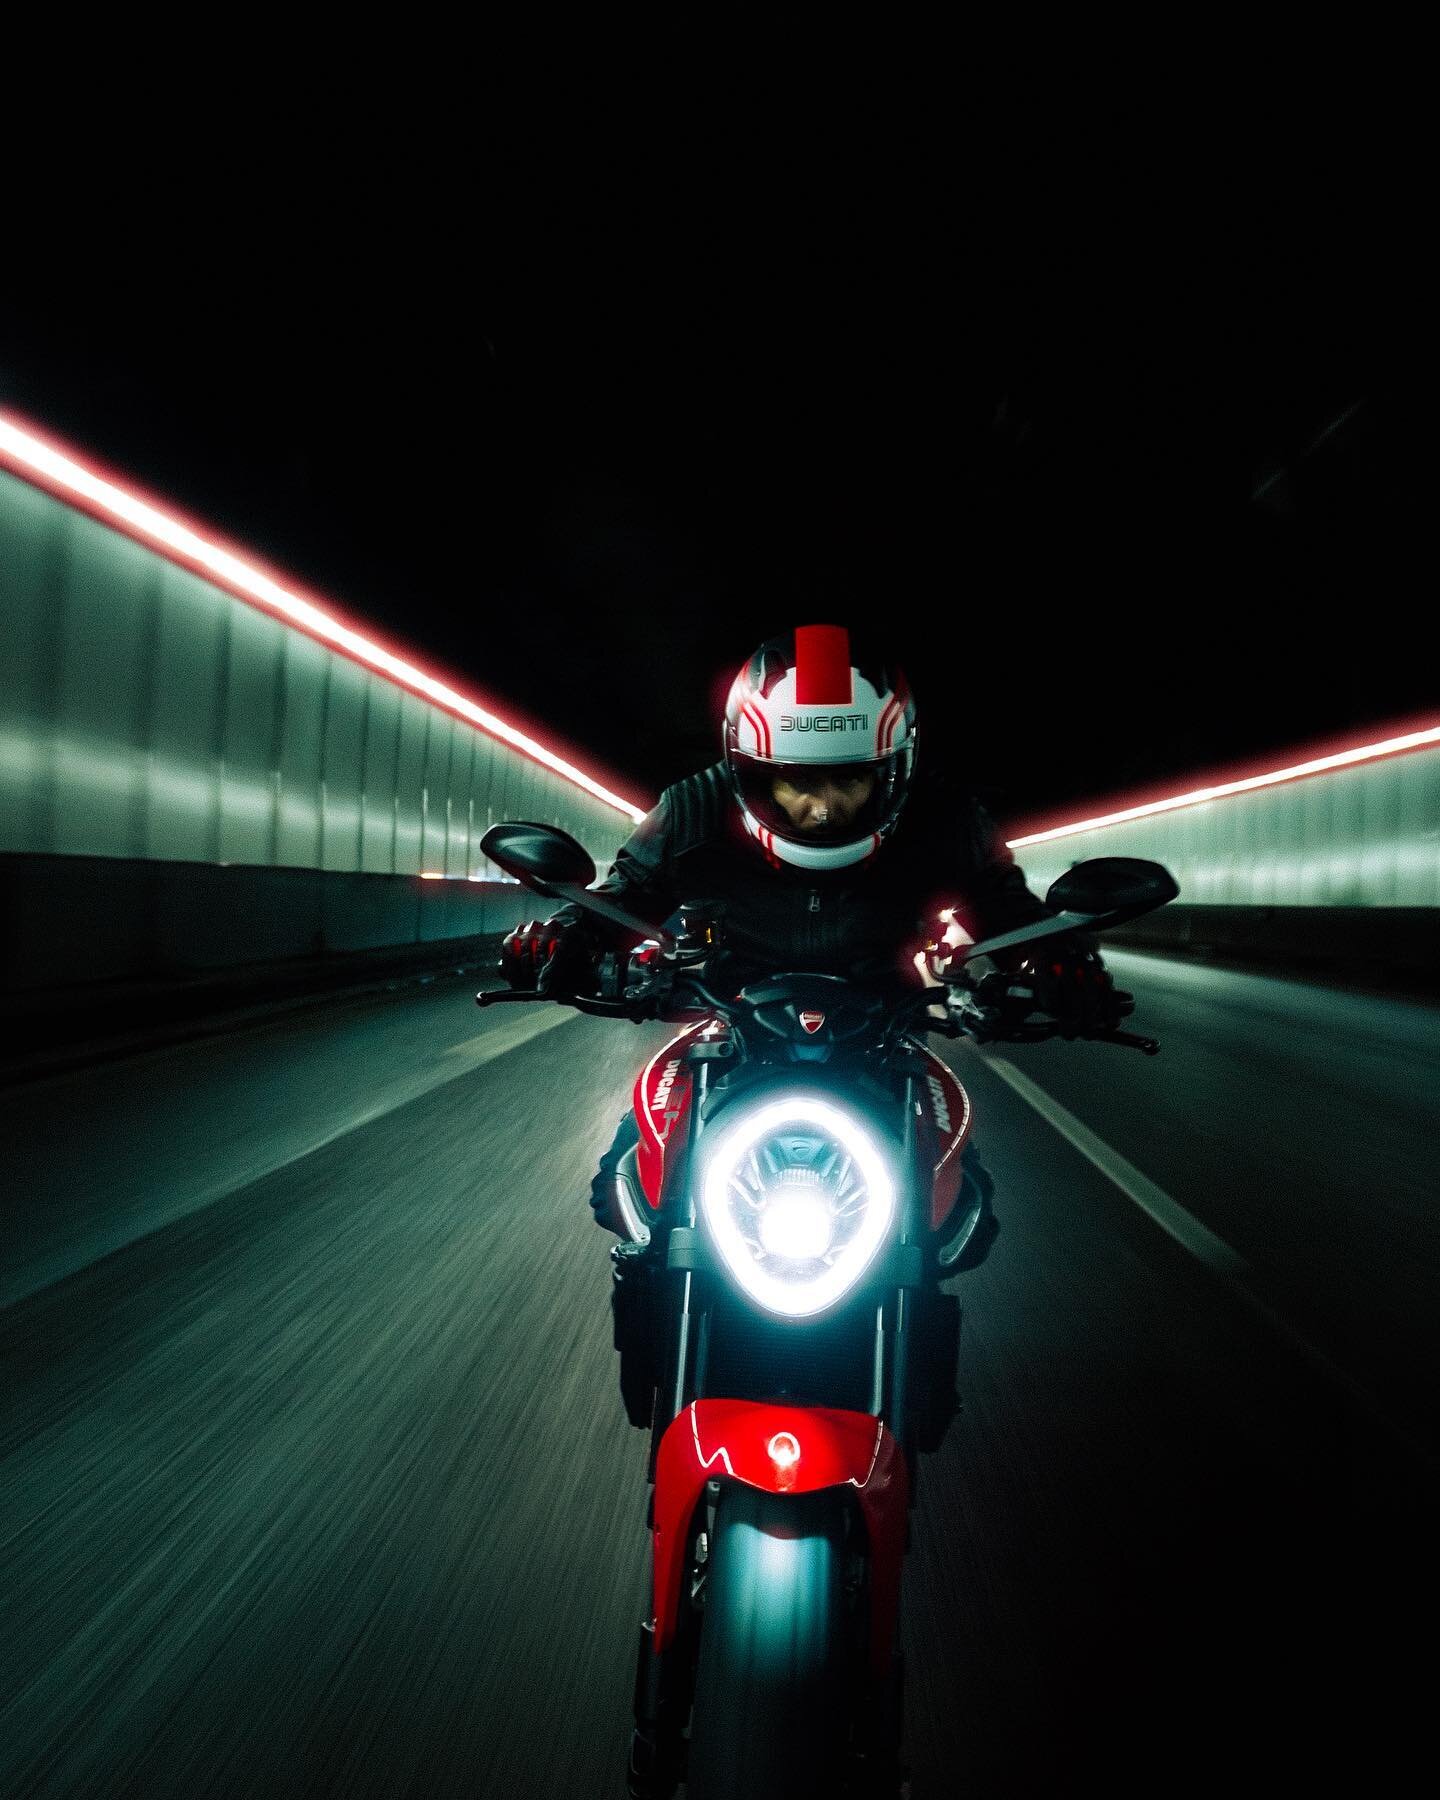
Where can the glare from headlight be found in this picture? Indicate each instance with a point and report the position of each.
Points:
(796, 1224)
(798, 1199)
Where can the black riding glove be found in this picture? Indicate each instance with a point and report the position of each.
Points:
(1070, 982)
(552, 957)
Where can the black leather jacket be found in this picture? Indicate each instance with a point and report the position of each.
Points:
(866, 921)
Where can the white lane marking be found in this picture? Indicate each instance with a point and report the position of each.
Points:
(1168, 1214)
(1226, 1264)
(509, 1034)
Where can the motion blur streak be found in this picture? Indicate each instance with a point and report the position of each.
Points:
(323, 1486)
(34, 456)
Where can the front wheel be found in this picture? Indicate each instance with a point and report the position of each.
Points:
(771, 1712)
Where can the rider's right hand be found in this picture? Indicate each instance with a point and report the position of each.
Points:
(552, 957)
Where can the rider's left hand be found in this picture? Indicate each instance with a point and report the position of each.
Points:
(552, 958)
(1072, 985)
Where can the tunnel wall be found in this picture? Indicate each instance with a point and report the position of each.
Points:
(1337, 867)
(180, 768)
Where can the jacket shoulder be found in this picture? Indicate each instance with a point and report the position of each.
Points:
(697, 808)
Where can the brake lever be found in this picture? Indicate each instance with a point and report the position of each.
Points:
(986, 1033)
(1129, 1040)
(595, 1005)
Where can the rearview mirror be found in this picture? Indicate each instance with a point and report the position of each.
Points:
(540, 856)
(1114, 888)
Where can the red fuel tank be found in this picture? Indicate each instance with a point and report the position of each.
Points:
(947, 1111)
(662, 1111)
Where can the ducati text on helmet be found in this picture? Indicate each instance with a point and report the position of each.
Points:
(820, 746)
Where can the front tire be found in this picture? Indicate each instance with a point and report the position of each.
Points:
(771, 1713)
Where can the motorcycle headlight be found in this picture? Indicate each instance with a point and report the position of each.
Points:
(797, 1198)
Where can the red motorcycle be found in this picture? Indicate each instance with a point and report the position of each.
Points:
(798, 1190)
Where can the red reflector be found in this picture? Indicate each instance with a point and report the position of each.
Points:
(784, 1449)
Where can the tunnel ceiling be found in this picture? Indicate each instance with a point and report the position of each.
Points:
(1108, 441)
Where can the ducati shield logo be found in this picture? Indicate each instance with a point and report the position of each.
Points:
(812, 1021)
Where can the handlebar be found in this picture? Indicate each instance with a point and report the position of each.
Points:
(642, 1012)
(586, 1003)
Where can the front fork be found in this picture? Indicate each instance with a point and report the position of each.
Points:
(664, 1676)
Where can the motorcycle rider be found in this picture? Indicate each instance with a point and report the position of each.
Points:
(813, 840)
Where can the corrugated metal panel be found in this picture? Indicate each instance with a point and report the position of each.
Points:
(462, 766)
(32, 585)
(342, 773)
(382, 761)
(438, 742)
(191, 651)
(1418, 838)
(100, 704)
(304, 684)
(1364, 835)
(248, 795)
(410, 783)
(146, 713)
(481, 778)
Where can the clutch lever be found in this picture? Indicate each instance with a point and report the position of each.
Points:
(1034, 1034)
(1130, 1040)
(586, 1003)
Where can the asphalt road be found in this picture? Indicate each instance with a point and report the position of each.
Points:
(314, 1477)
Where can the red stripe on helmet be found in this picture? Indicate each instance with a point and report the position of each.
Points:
(761, 726)
(892, 721)
(823, 675)
(885, 730)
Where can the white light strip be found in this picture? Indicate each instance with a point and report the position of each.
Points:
(1412, 740)
(31, 455)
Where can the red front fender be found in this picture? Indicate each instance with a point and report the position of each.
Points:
(783, 1450)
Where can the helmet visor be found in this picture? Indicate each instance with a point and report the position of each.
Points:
(818, 803)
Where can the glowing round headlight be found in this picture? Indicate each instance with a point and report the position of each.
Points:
(798, 1199)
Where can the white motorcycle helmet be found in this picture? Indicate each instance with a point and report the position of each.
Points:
(803, 707)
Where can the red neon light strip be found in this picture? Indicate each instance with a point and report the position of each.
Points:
(1394, 746)
(35, 459)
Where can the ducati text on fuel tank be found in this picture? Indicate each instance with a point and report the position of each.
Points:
(950, 1122)
(662, 1111)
